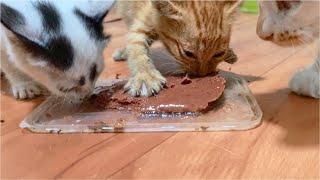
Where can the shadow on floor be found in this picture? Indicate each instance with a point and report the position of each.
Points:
(298, 116)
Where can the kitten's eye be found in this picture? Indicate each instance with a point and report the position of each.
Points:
(189, 54)
(107, 37)
(219, 54)
(93, 72)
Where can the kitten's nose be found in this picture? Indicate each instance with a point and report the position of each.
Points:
(265, 28)
(82, 81)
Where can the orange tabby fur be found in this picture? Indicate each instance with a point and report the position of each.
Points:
(196, 33)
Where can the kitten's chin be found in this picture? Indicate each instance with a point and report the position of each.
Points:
(292, 42)
(72, 97)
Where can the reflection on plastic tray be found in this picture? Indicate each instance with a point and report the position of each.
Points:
(237, 109)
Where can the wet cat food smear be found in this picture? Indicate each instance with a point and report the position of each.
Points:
(180, 95)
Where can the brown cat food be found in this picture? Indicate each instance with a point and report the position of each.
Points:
(180, 95)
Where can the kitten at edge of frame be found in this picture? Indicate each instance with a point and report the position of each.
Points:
(292, 23)
(53, 46)
(196, 33)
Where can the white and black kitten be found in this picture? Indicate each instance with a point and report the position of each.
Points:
(55, 45)
(294, 22)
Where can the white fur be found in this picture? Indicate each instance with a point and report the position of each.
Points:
(301, 21)
(306, 82)
(297, 25)
(27, 75)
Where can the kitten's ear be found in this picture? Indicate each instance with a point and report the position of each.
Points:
(15, 23)
(11, 18)
(165, 7)
(231, 6)
(97, 9)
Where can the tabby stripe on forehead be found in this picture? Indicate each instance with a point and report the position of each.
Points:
(11, 18)
(220, 22)
(198, 21)
(194, 9)
(175, 41)
(205, 13)
(51, 19)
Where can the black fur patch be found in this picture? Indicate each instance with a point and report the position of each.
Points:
(93, 24)
(60, 52)
(82, 81)
(51, 20)
(11, 18)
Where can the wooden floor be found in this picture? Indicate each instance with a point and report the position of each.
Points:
(286, 145)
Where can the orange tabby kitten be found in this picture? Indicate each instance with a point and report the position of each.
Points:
(196, 33)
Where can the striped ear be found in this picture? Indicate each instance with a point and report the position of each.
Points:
(231, 7)
(165, 7)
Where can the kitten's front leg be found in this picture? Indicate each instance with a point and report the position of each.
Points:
(307, 81)
(121, 53)
(22, 86)
(146, 80)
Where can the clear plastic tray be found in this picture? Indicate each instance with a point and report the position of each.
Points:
(237, 109)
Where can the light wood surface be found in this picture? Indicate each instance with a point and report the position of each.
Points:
(286, 145)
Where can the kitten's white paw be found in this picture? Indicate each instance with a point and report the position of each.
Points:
(26, 90)
(145, 84)
(119, 55)
(306, 82)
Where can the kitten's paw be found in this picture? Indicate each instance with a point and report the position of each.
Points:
(306, 82)
(26, 90)
(145, 84)
(119, 55)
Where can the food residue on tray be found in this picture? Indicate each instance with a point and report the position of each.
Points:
(181, 94)
(118, 76)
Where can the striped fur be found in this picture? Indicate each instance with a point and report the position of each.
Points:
(196, 33)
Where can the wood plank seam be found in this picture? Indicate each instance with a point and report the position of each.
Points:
(60, 174)
(129, 163)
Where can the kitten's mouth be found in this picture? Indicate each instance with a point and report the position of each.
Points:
(201, 74)
(289, 41)
(196, 72)
(75, 92)
(68, 90)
